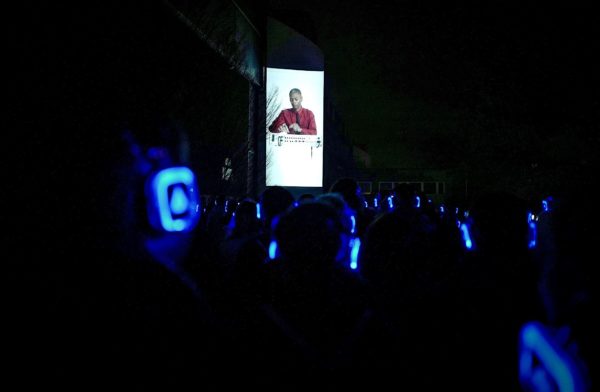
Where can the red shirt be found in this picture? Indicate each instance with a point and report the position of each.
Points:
(288, 116)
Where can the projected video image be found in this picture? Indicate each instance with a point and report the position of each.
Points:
(294, 145)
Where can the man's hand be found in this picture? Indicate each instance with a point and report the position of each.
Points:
(296, 128)
(283, 128)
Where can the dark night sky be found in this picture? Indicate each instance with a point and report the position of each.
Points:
(403, 70)
(500, 88)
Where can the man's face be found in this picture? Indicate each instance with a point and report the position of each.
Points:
(296, 100)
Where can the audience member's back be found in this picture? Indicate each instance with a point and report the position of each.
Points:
(567, 244)
(126, 313)
(244, 225)
(499, 283)
(500, 262)
(352, 194)
(254, 252)
(273, 201)
(409, 275)
(316, 304)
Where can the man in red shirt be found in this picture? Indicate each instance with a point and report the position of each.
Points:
(297, 120)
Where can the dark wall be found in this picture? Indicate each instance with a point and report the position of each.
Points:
(84, 71)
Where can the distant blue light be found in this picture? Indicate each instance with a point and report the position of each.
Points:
(466, 236)
(442, 210)
(366, 204)
(390, 202)
(353, 219)
(532, 235)
(274, 222)
(418, 202)
(375, 203)
(257, 210)
(273, 250)
(532, 230)
(546, 204)
(355, 244)
(232, 223)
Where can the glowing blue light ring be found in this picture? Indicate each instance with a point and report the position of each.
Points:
(160, 212)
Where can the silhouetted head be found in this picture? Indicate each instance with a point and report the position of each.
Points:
(350, 191)
(398, 251)
(345, 213)
(273, 201)
(244, 220)
(499, 221)
(115, 194)
(306, 197)
(309, 236)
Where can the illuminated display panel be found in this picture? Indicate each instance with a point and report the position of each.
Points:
(294, 158)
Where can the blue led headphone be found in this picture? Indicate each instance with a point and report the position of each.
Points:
(468, 240)
(348, 251)
(545, 364)
(173, 199)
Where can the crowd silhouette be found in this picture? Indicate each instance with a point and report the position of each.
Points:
(321, 292)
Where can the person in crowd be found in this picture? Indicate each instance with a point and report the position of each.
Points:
(566, 234)
(499, 285)
(125, 309)
(317, 307)
(352, 194)
(409, 274)
(297, 120)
